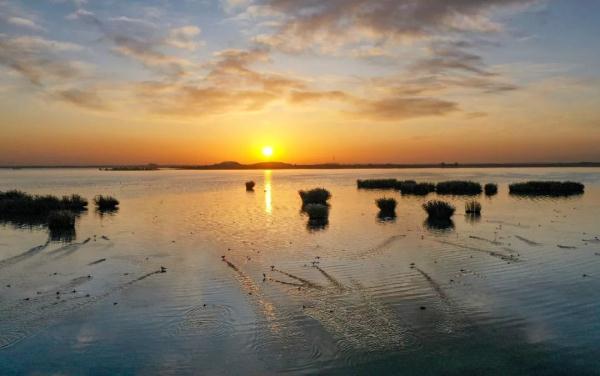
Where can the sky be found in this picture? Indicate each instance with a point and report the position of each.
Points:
(349, 81)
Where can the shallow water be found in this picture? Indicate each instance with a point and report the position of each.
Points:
(513, 292)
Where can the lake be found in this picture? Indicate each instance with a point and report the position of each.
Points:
(516, 291)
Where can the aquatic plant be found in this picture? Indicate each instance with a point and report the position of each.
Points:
(61, 220)
(250, 185)
(546, 188)
(21, 204)
(315, 196)
(490, 189)
(473, 207)
(387, 206)
(106, 202)
(410, 187)
(458, 187)
(377, 184)
(74, 202)
(438, 210)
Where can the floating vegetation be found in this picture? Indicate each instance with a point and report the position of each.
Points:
(473, 207)
(458, 187)
(410, 187)
(315, 196)
(250, 186)
(106, 203)
(546, 188)
(387, 206)
(377, 184)
(439, 210)
(490, 189)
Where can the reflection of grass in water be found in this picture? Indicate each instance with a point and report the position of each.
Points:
(439, 225)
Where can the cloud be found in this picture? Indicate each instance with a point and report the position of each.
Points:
(333, 24)
(40, 60)
(24, 22)
(184, 37)
(142, 41)
(82, 98)
(402, 108)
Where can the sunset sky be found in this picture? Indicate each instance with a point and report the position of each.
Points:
(199, 81)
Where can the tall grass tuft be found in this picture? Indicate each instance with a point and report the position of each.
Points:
(546, 188)
(458, 187)
(490, 189)
(106, 202)
(411, 187)
(377, 184)
(473, 207)
(439, 210)
(20, 204)
(250, 185)
(315, 196)
(387, 206)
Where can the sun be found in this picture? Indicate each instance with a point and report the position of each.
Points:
(267, 151)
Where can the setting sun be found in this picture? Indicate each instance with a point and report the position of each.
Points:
(267, 151)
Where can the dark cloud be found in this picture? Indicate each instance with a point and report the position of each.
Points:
(403, 108)
(82, 98)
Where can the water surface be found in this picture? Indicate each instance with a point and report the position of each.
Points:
(515, 291)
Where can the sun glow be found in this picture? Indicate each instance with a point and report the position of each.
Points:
(267, 151)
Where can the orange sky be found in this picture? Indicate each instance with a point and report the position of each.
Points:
(355, 82)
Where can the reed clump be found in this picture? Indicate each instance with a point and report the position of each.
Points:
(546, 188)
(106, 202)
(250, 185)
(377, 184)
(458, 187)
(387, 206)
(411, 187)
(490, 189)
(18, 203)
(439, 210)
(473, 208)
(315, 196)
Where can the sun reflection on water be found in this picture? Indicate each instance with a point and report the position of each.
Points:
(268, 205)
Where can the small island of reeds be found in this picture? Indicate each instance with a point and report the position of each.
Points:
(458, 187)
(490, 189)
(106, 203)
(439, 210)
(387, 206)
(315, 196)
(546, 188)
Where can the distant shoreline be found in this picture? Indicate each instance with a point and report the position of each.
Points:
(322, 166)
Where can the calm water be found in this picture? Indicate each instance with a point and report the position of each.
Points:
(505, 294)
